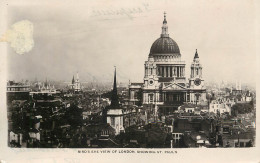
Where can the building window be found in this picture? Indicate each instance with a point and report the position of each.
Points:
(112, 121)
(188, 97)
(150, 97)
(171, 98)
(132, 94)
(160, 97)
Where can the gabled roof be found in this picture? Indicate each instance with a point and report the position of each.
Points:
(173, 86)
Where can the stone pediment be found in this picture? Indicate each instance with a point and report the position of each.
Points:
(173, 86)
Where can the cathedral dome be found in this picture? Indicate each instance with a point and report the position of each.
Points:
(164, 45)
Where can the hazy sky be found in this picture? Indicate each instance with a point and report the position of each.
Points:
(93, 37)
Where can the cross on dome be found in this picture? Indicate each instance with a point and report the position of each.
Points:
(164, 21)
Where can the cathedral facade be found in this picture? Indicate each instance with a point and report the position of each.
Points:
(165, 86)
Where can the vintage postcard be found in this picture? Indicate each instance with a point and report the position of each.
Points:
(157, 81)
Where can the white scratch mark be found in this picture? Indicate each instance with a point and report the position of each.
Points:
(20, 36)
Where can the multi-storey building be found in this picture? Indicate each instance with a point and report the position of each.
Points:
(17, 91)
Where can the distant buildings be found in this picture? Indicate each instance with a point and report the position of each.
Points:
(244, 97)
(75, 84)
(219, 107)
(44, 88)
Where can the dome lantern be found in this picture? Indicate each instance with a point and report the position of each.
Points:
(164, 27)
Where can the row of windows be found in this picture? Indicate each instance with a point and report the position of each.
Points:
(18, 89)
(220, 110)
(166, 58)
(198, 71)
(106, 132)
(224, 106)
(176, 137)
(172, 98)
(169, 71)
(168, 97)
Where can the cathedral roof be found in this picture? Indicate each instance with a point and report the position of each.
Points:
(164, 44)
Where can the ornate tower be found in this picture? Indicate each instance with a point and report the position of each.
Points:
(77, 83)
(165, 27)
(196, 81)
(72, 83)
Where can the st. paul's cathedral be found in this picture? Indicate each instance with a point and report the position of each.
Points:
(164, 86)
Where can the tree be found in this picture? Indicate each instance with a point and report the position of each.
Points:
(220, 140)
(249, 144)
(139, 96)
(241, 108)
(228, 144)
(74, 115)
(182, 142)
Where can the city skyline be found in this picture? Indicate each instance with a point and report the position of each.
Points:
(134, 80)
(92, 42)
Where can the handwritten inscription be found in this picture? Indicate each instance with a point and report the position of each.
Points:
(129, 12)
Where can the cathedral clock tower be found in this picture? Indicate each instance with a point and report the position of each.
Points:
(150, 76)
(196, 81)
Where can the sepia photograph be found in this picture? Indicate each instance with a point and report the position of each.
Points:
(138, 77)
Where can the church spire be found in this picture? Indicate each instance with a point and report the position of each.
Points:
(114, 98)
(73, 80)
(164, 27)
(46, 82)
(196, 55)
(77, 77)
(164, 21)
